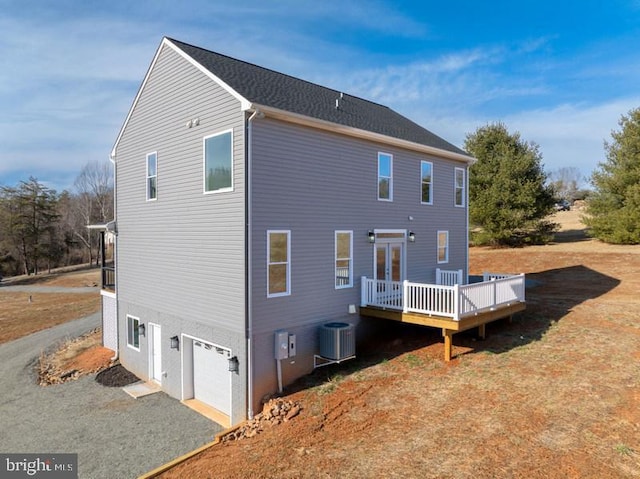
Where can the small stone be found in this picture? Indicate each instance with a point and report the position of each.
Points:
(293, 412)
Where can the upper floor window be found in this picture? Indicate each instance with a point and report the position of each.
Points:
(218, 162)
(426, 172)
(278, 263)
(459, 187)
(344, 260)
(385, 177)
(152, 176)
(443, 246)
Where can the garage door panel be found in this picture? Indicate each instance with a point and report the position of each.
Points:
(211, 377)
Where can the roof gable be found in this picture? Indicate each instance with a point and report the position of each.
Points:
(266, 87)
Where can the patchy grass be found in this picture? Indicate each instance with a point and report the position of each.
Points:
(20, 316)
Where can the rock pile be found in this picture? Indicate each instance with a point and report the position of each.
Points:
(274, 412)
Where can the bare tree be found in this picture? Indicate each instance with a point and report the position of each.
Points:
(566, 182)
(92, 203)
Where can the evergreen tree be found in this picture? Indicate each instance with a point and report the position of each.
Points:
(613, 210)
(508, 197)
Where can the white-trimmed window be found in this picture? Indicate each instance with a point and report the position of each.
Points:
(443, 246)
(344, 259)
(133, 332)
(459, 186)
(218, 162)
(152, 176)
(426, 182)
(385, 177)
(278, 263)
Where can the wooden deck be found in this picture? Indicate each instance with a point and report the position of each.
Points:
(448, 325)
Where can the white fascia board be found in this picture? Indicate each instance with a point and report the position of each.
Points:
(358, 133)
(244, 103)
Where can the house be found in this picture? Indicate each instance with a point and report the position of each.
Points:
(253, 208)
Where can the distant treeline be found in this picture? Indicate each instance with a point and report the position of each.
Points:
(42, 229)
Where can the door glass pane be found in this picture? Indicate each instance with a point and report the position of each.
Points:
(381, 263)
(396, 255)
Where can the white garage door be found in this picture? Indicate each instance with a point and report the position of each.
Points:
(211, 376)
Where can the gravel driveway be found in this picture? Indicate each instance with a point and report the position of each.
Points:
(114, 435)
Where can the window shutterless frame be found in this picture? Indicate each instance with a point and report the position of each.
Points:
(152, 176)
(426, 182)
(459, 187)
(217, 162)
(344, 259)
(385, 176)
(278, 263)
(443, 247)
(133, 332)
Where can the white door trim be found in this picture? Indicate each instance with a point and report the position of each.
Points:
(186, 347)
(388, 241)
(155, 371)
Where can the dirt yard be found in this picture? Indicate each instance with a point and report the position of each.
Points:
(23, 313)
(554, 394)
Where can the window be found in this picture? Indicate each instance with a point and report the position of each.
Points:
(152, 176)
(426, 174)
(459, 187)
(344, 262)
(133, 332)
(443, 246)
(278, 263)
(385, 177)
(218, 162)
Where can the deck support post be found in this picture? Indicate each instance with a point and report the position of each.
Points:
(482, 331)
(448, 343)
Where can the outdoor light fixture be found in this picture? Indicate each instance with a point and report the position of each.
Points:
(234, 364)
(372, 236)
(142, 329)
(412, 237)
(175, 342)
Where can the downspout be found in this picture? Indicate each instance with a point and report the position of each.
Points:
(112, 159)
(249, 258)
(468, 231)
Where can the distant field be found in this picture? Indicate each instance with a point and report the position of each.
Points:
(23, 313)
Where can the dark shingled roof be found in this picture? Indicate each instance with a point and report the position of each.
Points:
(277, 90)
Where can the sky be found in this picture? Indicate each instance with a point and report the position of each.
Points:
(561, 73)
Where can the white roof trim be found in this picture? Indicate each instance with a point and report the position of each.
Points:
(358, 133)
(244, 103)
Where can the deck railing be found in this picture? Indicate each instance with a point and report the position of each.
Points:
(109, 278)
(455, 301)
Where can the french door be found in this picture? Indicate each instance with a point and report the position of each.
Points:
(389, 261)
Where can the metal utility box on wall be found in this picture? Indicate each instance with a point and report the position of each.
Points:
(337, 341)
(292, 345)
(282, 345)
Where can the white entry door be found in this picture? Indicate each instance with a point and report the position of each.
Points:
(211, 376)
(155, 352)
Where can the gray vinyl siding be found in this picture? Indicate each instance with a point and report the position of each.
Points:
(181, 258)
(313, 183)
(183, 253)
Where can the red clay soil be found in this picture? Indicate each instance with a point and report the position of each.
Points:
(91, 360)
(554, 394)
